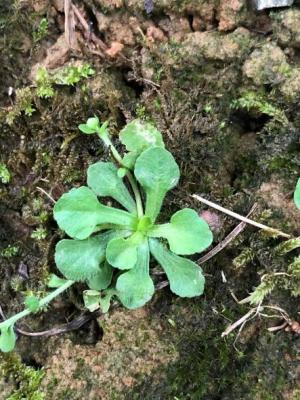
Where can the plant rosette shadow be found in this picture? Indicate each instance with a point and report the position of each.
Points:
(109, 248)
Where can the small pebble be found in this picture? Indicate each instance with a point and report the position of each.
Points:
(23, 271)
(213, 220)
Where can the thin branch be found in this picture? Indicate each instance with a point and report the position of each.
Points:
(279, 327)
(240, 217)
(86, 27)
(46, 194)
(76, 323)
(239, 322)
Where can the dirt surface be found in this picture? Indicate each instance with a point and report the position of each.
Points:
(222, 83)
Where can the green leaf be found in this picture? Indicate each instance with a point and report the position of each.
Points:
(32, 303)
(7, 338)
(157, 171)
(55, 281)
(297, 195)
(91, 299)
(85, 129)
(137, 136)
(187, 233)
(79, 260)
(91, 126)
(135, 287)
(122, 253)
(129, 159)
(103, 179)
(185, 277)
(78, 213)
(101, 280)
(93, 123)
(106, 299)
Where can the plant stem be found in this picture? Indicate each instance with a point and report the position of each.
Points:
(240, 217)
(12, 320)
(137, 194)
(133, 184)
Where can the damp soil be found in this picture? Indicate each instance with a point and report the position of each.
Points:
(222, 84)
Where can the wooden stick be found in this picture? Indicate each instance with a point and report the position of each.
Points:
(240, 217)
(229, 238)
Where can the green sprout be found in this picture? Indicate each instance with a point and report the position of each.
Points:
(109, 248)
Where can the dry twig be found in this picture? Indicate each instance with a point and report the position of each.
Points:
(240, 217)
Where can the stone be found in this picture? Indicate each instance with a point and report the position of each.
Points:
(286, 27)
(215, 46)
(115, 49)
(231, 14)
(267, 65)
(262, 4)
(291, 87)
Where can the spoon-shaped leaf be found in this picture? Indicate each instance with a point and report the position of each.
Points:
(103, 179)
(91, 126)
(297, 194)
(157, 171)
(185, 277)
(91, 299)
(122, 253)
(79, 260)
(135, 287)
(7, 338)
(102, 279)
(187, 233)
(137, 136)
(78, 213)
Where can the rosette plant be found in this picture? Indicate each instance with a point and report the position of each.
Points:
(109, 247)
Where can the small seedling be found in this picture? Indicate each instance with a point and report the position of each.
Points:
(110, 247)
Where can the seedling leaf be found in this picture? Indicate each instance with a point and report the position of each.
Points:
(129, 159)
(55, 281)
(79, 260)
(185, 277)
(122, 253)
(297, 195)
(103, 179)
(101, 280)
(157, 171)
(186, 233)
(135, 287)
(7, 338)
(106, 299)
(85, 129)
(78, 213)
(137, 136)
(91, 299)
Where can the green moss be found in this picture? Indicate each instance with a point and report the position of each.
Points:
(41, 31)
(255, 101)
(27, 379)
(24, 99)
(4, 173)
